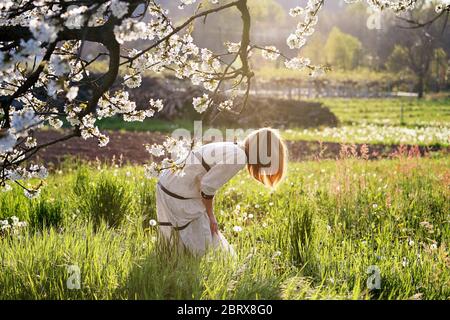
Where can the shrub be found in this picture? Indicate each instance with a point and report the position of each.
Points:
(13, 203)
(81, 183)
(297, 234)
(108, 200)
(278, 113)
(45, 214)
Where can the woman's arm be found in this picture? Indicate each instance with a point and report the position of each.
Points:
(233, 161)
(208, 202)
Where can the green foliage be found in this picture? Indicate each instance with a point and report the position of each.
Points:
(426, 112)
(315, 49)
(343, 50)
(314, 237)
(14, 203)
(46, 214)
(164, 274)
(82, 179)
(262, 12)
(396, 60)
(106, 201)
(297, 233)
(270, 71)
(266, 11)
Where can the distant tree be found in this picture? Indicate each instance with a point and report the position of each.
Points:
(434, 67)
(315, 48)
(439, 69)
(418, 41)
(343, 50)
(396, 61)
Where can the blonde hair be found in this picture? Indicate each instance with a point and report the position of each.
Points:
(266, 141)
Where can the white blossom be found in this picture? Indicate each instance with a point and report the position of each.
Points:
(200, 104)
(270, 53)
(72, 93)
(156, 150)
(151, 170)
(119, 8)
(158, 105)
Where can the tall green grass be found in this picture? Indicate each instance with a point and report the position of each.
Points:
(314, 237)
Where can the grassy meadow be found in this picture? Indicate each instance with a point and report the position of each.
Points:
(349, 218)
(383, 121)
(374, 121)
(416, 113)
(353, 222)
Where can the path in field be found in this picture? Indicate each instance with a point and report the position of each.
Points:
(131, 146)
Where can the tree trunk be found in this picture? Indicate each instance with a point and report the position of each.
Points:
(420, 86)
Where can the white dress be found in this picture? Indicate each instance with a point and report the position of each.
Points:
(225, 160)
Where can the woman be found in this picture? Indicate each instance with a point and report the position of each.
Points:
(185, 202)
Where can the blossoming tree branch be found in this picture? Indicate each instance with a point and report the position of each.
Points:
(42, 67)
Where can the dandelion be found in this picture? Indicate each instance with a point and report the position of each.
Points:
(375, 206)
(237, 229)
(4, 224)
(417, 296)
(153, 223)
(276, 254)
(428, 226)
(15, 220)
(12, 228)
(375, 133)
(405, 262)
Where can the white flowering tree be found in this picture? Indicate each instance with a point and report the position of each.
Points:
(42, 67)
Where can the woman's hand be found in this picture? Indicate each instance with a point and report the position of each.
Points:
(213, 225)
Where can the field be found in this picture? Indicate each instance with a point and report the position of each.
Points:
(355, 223)
(338, 116)
(416, 113)
(374, 121)
(383, 121)
(374, 134)
(352, 220)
